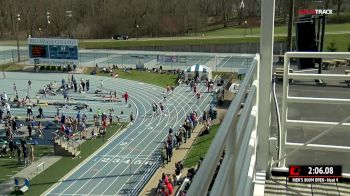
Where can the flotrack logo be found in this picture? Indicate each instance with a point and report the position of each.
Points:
(316, 12)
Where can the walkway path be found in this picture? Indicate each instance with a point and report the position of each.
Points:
(29, 172)
(169, 169)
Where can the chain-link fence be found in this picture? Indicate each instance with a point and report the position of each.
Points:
(11, 56)
(219, 62)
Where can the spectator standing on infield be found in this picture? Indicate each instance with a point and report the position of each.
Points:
(78, 117)
(41, 115)
(14, 88)
(29, 85)
(110, 117)
(131, 117)
(30, 129)
(87, 85)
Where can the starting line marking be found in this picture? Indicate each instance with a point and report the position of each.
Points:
(125, 160)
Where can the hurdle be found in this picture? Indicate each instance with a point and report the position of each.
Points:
(42, 166)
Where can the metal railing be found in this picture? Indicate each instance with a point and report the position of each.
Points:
(146, 176)
(237, 136)
(285, 122)
(70, 143)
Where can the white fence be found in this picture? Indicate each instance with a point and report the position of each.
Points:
(237, 138)
(286, 99)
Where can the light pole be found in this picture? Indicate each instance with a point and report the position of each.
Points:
(48, 22)
(245, 27)
(137, 29)
(18, 19)
(69, 15)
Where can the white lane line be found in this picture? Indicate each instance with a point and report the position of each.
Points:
(76, 168)
(223, 65)
(116, 166)
(155, 137)
(81, 175)
(190, 106)
(135, 128)
(198, 107)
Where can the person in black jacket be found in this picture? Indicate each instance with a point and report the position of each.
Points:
(87, 85)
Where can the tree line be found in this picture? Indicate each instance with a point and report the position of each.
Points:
(151, 18)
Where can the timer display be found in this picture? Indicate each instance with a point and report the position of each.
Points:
(315, 173)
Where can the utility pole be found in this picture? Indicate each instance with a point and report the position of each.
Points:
(18, 53)
(48, 23)
(290, 25)
(137, 31)
(69, 15)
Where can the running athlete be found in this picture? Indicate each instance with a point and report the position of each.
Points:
(126, 97)
(161, 107)
(198, 96)
(164, 96)
(154, 108)
(195, 89)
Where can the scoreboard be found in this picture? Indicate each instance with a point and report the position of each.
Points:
(53, 51)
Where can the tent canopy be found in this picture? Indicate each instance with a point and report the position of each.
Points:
(204, 72)
(199, 68)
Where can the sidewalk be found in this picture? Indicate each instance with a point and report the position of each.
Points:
(28, 172)
(178, 155)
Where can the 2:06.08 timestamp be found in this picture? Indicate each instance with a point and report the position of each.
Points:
(320, 170)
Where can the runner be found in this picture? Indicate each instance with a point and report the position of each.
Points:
(154, 108)
(198, 96)
(126, 97)
(161, 106)
(164, 96)
(195, 89)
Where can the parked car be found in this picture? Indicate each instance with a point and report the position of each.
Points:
(120, 37)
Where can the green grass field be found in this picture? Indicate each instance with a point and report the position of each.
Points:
(9, 167)
(235, 31)
(11, 67)
(55, 172)
(200, 147)
(142, 76)
(230, 35)
(342, 42)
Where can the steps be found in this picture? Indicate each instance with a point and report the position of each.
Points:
(66, 148)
